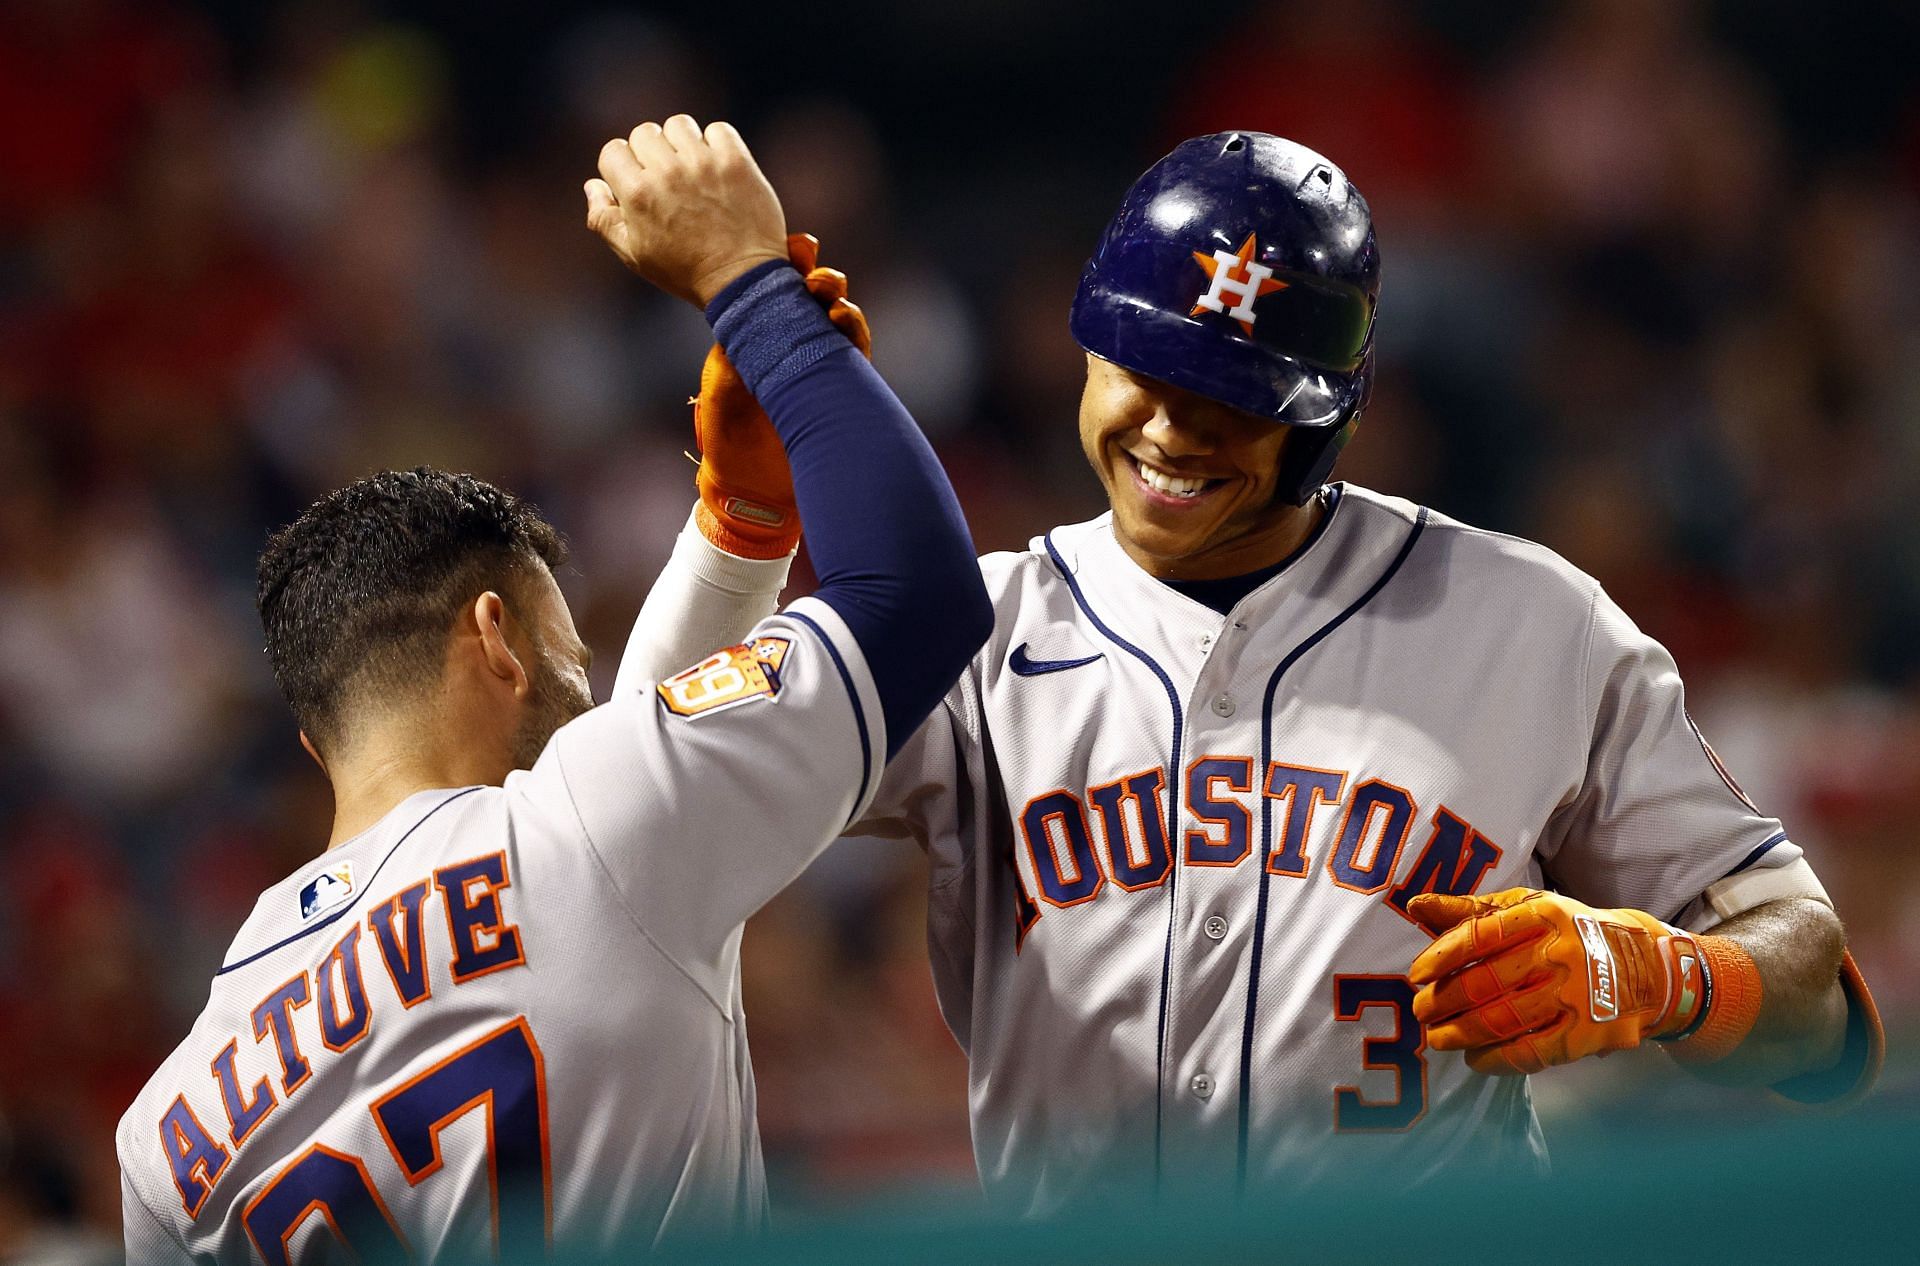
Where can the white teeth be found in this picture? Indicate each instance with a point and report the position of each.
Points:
(1171, 485)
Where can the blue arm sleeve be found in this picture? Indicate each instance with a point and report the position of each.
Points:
(884, 529)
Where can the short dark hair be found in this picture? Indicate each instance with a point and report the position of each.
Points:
(357, 594)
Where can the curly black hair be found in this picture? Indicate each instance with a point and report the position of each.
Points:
(357, 594)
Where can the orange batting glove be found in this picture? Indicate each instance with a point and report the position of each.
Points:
(746, 491)
(1521, 980)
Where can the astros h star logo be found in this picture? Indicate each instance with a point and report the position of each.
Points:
(1235, 274)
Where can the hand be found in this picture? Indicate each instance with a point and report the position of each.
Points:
(746, 491)
(687, 210)
(1522, 979)
(829, 286)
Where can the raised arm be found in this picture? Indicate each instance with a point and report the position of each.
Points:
(708, 794)
(731, 561)
(691, 212)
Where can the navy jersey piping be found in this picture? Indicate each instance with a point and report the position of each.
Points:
(1766, 846)
(859, 713)
(1313, 538)
(1173, 835)
(364, 889)
(1335, 494)
(1760, 850)
(1266, 825)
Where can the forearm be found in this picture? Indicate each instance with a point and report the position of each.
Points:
(1796, 944)
(704, 597)
(884, 530)
(1524, 979)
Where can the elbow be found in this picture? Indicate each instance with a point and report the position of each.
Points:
(918, 657)
(952, 617)
(975, 617)
(949, 596)
(1822, 932)
(965, 612)
(1796, 942)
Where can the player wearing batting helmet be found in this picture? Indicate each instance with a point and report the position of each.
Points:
(1282, 828)
(501, 1011)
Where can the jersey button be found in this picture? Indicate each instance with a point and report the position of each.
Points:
(1223, 705)
(1201, 1085)
(1215, 927)
(1206, 641)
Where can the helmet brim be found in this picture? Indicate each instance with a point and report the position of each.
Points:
(1190, 353)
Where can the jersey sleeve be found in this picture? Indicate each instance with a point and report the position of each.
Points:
(915, 797)
(1658, 824)
(704, 597)
(1661, 825)
(707, 794)
(927, 793)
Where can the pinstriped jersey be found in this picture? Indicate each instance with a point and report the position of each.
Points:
(506, 1017)
(1172, 850)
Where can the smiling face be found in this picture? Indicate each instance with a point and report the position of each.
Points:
(1191, 480)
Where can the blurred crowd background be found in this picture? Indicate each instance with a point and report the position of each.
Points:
(1651, 296)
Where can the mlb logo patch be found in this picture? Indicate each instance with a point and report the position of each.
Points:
(326, 890)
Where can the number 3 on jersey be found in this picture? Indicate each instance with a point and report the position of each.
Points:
(502, 1074)
(1403, 1053)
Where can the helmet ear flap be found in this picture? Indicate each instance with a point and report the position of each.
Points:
(1307, 459)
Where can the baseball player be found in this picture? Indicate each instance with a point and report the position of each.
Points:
(502, 1009)
(1281, 825)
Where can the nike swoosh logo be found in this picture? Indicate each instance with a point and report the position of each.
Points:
(1024, 667)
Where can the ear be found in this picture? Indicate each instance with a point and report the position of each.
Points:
(313, 752)
(491, 621)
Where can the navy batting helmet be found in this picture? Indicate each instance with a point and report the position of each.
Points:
(1242, 267)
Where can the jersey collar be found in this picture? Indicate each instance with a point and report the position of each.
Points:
(1357, 536)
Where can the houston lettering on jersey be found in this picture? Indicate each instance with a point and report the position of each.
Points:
(1079, 841)
(332, 1005)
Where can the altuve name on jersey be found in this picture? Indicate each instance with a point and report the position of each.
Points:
(1117, 832)
(343, 1009)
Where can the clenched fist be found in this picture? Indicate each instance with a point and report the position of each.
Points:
(688, 210)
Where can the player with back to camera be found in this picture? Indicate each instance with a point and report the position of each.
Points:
(502, 1010)
(1280, 824)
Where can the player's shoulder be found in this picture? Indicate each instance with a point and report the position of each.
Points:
(140, 1121)
(1045, 565)
(324, 888)
(1033, 589)
(1473, 560)
(139, 1144)
(293, 924)
(178, 1086)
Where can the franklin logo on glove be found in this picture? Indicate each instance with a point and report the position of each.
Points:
(1605, 1006)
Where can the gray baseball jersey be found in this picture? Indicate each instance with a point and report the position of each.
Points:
(1172, 850)
(509, 1016)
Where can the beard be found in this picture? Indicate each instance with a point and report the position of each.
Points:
(556, 700)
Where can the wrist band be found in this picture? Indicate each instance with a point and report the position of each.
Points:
(1731, 1003)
